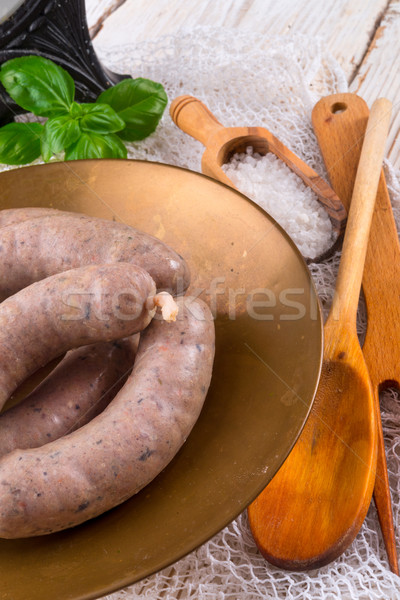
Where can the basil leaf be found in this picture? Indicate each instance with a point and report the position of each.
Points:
(93, 145)
(45, 149)
(38, 85)
(75, 110)
(61, 132)
(100, 118)
(20, 143)
(139, 102)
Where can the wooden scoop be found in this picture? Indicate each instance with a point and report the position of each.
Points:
(221, 143)
(315, 505)
(340, 138)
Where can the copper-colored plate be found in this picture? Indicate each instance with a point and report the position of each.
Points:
(265, 375)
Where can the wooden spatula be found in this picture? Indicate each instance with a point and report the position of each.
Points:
(340, 137)
(195, 119)
(316, 503)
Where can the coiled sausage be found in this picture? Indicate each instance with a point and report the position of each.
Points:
(105, 462)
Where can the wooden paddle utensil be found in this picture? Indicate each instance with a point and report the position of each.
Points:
(316, 503)
(340, 139)
(221, 143)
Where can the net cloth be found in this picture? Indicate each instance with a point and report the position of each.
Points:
(250, 80)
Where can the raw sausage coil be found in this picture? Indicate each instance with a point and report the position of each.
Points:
(78, 389)
(68, 310)
(105, 462)
(38, 247)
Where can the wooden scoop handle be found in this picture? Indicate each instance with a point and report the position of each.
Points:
(194, 118)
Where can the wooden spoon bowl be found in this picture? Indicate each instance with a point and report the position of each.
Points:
(221, 143)
(314, 507)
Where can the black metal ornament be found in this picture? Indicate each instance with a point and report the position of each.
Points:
(58, 30)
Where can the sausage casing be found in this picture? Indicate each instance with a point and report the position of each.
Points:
(105, 462)
(36, 248)
(79, 388)
(71, 309)
(10, 216)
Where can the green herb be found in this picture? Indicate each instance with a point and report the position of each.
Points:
(61, 132)
(100, 118)
(94, 145)
(140, 103)
(38, 85)
(20, 143)
(131, 110)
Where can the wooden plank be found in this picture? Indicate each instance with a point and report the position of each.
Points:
(379, 74)
(346, 26)
(97, 11)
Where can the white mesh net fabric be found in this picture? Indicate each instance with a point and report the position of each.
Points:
(246, 79)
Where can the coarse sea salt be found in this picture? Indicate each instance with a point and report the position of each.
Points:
(281, 193)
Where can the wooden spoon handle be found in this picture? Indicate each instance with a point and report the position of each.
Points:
(345, 303)
(194, 118)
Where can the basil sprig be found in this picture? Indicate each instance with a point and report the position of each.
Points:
(129, 111)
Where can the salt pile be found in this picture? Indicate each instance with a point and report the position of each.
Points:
(281, 193)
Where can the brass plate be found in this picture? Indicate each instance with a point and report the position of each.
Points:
(265, 375)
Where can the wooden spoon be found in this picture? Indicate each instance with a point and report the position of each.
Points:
(221, 143)
(315, 505)
(340, 138)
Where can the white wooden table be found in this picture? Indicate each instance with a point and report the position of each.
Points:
(363, 35)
